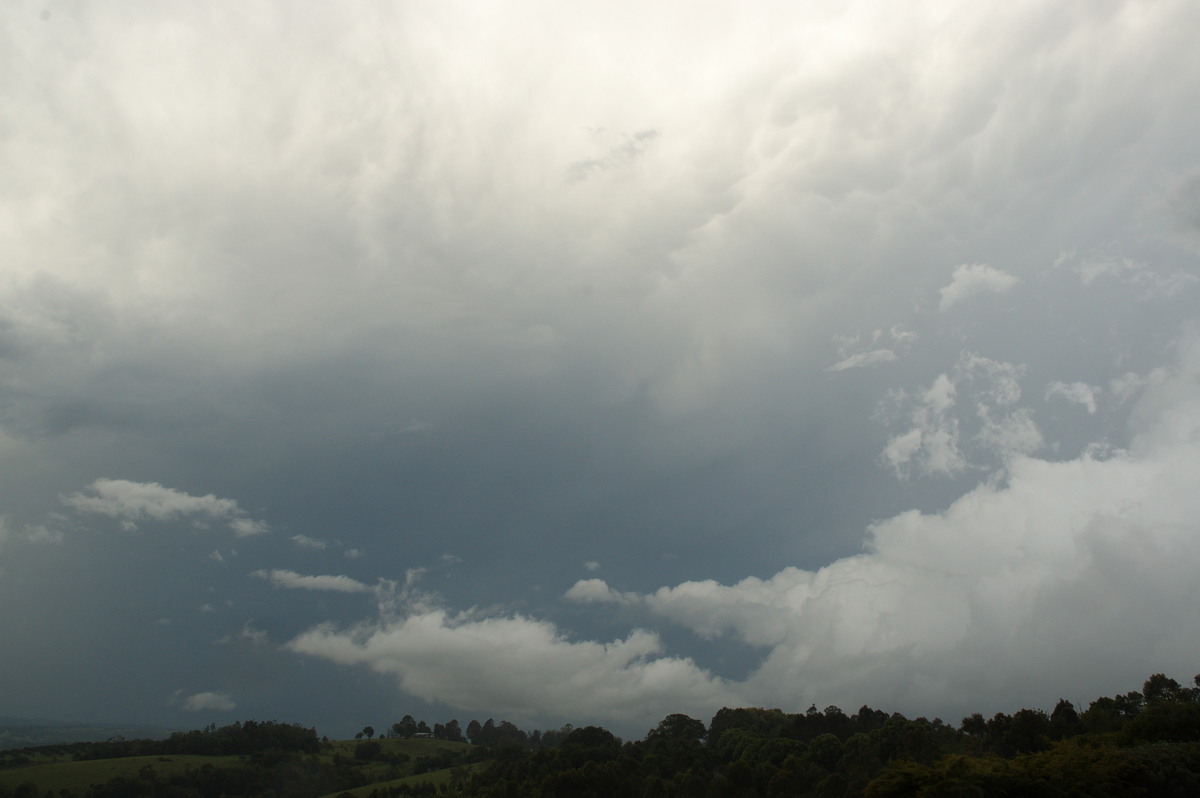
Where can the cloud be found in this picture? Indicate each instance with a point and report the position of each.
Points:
(1079, 393)
(1018, 589)
(292, 580)
(855, 354)
(618, 156)
(522, 667)
(209, 702)
(874, 357)
(248, 634)
(136, 501)
(305, 542)
(936, 443)
(931, 446)
(596, 591)
(1151, 282)
(970, 280)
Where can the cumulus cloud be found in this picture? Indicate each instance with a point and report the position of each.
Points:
(597, 591)
(131, 502)
(522, 667)
(292, 580)
(1016, 589)
(209, 702)
(1014, 592)
(305, 542)
(970, 280)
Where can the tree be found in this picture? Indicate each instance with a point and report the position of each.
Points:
(678, 727)
(1160, 688)
(473, 729)
(368, 732)
(974, 725)
(1064, 721)
(406, 728)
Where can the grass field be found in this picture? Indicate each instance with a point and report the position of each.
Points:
(51, 775)
(78, 776)
(432, 777)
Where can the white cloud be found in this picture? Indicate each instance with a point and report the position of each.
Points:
(994, 380)
(1150, 281)
(209, 702)
(970, 280)
(305, 542)
(1010, 434)
(597, 591)
(931, 446)
(855, 353)
(936, 445)
(523, 667)
(874, 357)
(592, 565)
(131, 502)
(292, 580)
(1079, 393)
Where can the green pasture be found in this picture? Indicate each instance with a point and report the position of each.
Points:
(435, 777)
(78, 776)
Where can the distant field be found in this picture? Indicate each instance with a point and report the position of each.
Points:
(436, 777)
(53, 776)
(27, 733)
(78, 776)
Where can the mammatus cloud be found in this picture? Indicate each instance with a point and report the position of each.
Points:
(522, 667)
(292, 580)
(970, 280)
(209, 702)
(131, 502)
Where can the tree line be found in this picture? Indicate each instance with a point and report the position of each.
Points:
(1141, 743)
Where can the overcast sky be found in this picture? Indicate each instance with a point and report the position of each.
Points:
(588, 362)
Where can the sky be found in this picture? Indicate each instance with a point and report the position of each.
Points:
(592, 362)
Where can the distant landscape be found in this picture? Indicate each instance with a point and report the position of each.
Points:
(1141, 743)
(28, 732)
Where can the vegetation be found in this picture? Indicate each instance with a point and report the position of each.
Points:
(1142, 743)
